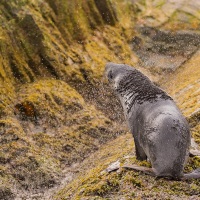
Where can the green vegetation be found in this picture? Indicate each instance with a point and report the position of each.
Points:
(56, 113)
(96, 183)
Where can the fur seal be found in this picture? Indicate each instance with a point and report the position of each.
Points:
(160, 131)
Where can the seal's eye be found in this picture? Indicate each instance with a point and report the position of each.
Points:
(110, 75)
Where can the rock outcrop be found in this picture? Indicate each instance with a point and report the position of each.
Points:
(58, 119)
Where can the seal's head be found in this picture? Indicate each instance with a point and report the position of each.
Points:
(116, 72)
(132, 86)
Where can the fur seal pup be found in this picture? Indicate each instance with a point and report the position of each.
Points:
(160, 131)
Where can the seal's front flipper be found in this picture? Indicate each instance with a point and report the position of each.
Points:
(146, 170)
(195, 149)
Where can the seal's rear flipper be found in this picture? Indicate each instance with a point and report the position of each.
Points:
(195, 174)
(146, 170)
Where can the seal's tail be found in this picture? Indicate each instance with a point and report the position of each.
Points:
(195, 174)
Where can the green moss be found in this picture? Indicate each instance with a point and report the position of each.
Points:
(133, 180)
(6, 98)
(48, 98)
(43, 39)
(192, 164)
(6, 193)
(21, 159)
(93, 179)
(101, 187)
(80, 17)
(47, 125)
(127, 183)
(196, 131)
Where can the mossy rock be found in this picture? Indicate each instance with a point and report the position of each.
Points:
(97, 183)
(60, 122)
(50, 50)
(50, 99)
(177, 15)
(184, 85)
(6, 193)
(21, 160)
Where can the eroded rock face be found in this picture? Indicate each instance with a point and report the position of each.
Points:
(167, 40)
(6, 193)
(52, 128)
(50, 50)
(165, 50)
(170, 14)
(55, 110)
(184, 86)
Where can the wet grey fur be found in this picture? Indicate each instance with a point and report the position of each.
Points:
(160, 131)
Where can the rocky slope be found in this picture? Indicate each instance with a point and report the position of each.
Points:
(52, 59)
(55, 109)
